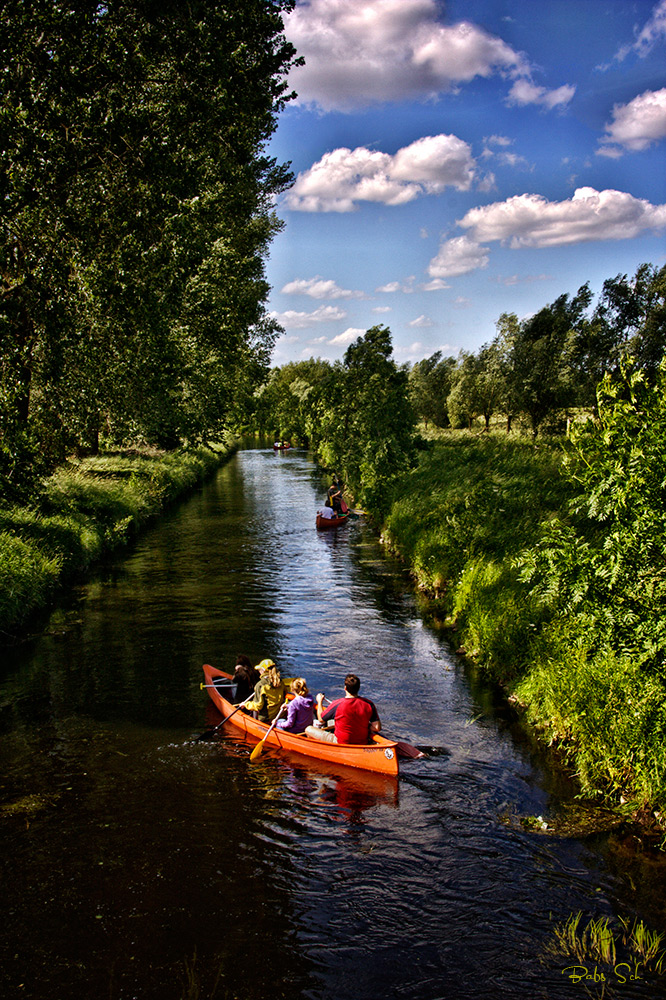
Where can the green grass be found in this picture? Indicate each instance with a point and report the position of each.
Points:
(630, 946)
(86, 508)
(464, 521)
(471, 496)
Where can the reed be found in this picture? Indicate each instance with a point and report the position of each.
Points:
(645, 943)
(599, 941)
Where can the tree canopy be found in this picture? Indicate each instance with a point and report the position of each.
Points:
(136, 216)
(543, 367)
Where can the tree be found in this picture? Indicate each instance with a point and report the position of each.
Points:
(136, 215)
(464, 403)
(542, 373)
(630, 319)
(429, 387)
(371, 440)
(605, 562)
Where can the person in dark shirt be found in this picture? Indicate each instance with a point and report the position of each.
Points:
(245, 678)
(335, 499)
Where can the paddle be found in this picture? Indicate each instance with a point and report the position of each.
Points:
(208, 734)
(260, 745)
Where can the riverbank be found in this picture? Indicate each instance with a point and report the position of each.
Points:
(468, 521)
(87, 508)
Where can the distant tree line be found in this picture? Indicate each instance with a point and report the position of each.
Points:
(136, 212)
(542, 368)
(355, 414)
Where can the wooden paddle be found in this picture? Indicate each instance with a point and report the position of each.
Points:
(208, 734)
(260, 745)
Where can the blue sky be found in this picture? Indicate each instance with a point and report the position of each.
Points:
(458, 160)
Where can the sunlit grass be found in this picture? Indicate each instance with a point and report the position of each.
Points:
(85, 508)
(598, 941)
(463, 521)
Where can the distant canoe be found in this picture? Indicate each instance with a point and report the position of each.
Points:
(281, 447)
(331, 522)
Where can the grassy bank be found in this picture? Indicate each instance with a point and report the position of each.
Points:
(85, 509)
(468, 521)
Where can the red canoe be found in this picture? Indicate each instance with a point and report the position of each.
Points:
(331, 522)
(380, 755)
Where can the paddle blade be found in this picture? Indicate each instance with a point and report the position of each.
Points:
(257, 750)
(409, 752)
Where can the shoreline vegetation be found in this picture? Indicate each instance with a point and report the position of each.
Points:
(461, 521)
(86, 509)
(469, 522)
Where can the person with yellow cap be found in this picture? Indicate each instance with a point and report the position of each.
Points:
(270, 692)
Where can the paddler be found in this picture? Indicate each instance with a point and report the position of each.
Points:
(354, 719)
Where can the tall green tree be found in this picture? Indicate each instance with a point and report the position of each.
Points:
(542, 374)
(372, 441)
(429, 388)
(136, 212)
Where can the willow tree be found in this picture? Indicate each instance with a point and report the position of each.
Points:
(136, 212)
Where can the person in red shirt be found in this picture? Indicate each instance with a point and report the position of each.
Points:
(355, 719)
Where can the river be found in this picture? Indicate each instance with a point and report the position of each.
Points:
(138, 861)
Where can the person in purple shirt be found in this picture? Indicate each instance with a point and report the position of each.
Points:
(300, 710)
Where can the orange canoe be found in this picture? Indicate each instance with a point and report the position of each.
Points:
(380, 755)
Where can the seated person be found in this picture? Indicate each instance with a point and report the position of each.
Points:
(355, 719)
(326, 512)
(245, 678)
(269, 693)
(300, 710)
(334, 497)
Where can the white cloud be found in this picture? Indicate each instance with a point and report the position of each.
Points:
(320, 288)
(524, 91)
(458, 256)
(461, 303)
(421, 321)
(411, 352)
(488, 183)
(293, 320)
(529, 220)
(347, 337)
(513, 160)
(382, 309)
(636, 125)
(651, 33)
(359, 52)
(434, 286)
(343, 177)
(395, 286)
(498, 140)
